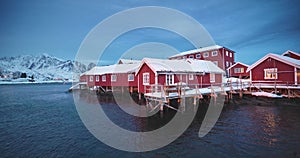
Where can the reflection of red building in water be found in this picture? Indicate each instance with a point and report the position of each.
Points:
(274, 68)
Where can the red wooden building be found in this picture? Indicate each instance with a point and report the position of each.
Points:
(122, 75)
(238, 70)
(171, 72)
(219, 55)
(274, 68)
(292, 54)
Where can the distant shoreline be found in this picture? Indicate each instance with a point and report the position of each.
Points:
(28, 83)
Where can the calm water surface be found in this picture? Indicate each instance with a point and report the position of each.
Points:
(41, 121)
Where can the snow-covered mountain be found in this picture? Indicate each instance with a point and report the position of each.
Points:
(42, 67)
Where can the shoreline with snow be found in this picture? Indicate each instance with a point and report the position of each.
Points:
(37, 82)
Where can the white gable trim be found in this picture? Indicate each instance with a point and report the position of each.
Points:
(236, 64)
(270, 55)
(144, 61)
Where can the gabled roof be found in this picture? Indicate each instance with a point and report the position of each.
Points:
(181, 66)
(237, 64)
(289, 51)
(128, 61)
(290, 61)
(213, 47)
(117, 68)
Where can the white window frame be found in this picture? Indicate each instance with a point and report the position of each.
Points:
(226, 52)
(146, 78)
(205, 55)
(104, 78)
(227, 64)
(238, 70)
(214, 53)
(91, 78)
(97, 78)
(212, 78)
(230, 63)
(230, 54)
(191, 76)
(130, 77)
(191, 56)
(113, 78)
(169, 79)
(198, 56)
(216, 63)
(270, 71)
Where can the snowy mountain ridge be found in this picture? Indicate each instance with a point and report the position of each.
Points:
(42, 67)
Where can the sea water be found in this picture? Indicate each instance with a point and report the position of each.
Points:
(41, 120)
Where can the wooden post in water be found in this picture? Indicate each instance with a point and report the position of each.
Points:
(241, 87)
(161, 106)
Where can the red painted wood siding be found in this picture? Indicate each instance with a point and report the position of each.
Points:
(145, 69)
(285, 72)
(218, 58)
(83, 78)
(122, 80)
(233, 74)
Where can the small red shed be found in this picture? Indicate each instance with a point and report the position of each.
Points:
(238, 70)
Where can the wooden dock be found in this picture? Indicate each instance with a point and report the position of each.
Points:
(159, 96)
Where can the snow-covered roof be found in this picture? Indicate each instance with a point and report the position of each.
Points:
(237, 64)
(214, 47)
(181, 66)
(117, 68)
(289, 51)
(290, 61)
(128, 61)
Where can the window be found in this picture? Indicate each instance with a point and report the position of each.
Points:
(212, 78)
(230, 63)
(169, 79)
(216, 62)
(226, 53)
(91, 78)
(227, 63)
(130, 77)
(191, 56)
(239, 70)
(214, 53)
(230, 54)
(97, 78)
(104, 78)
(206, 54)
(146, 78)
(270, 73)
(113, 78)
(191, 77)
(198, 56)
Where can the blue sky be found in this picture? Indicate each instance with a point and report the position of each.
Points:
(251, 28)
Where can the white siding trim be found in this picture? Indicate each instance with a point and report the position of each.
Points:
(295, 74)
(156, 78)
